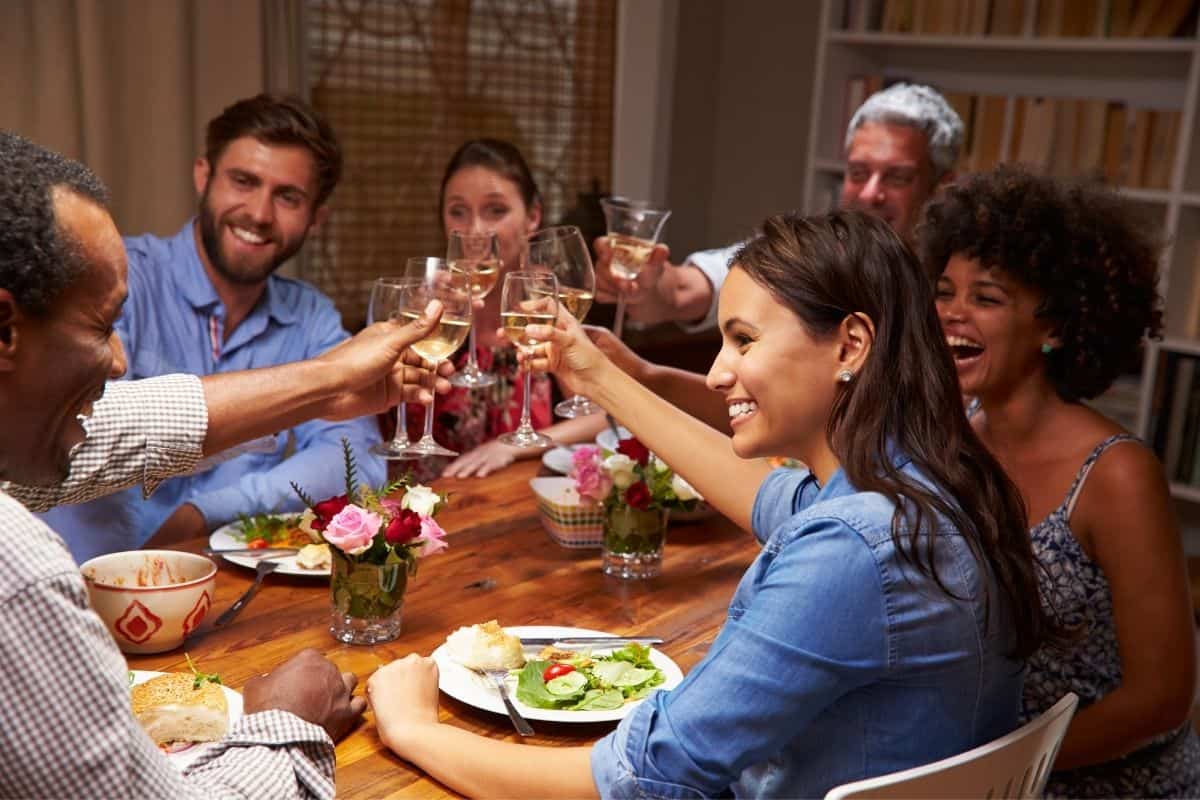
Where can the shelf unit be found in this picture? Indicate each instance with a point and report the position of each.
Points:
(1160, 74)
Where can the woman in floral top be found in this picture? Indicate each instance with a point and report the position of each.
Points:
(488, 187)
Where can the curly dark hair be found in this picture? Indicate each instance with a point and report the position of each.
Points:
(38, 260)
(1084, 250)
(279, 119)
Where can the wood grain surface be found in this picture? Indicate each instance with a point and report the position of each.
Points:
(500, 565)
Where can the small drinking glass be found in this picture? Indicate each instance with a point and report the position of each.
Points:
(434, 280)
(563, 251)
(529, 297)
(477, 255)
(385, 304)
(633, 229)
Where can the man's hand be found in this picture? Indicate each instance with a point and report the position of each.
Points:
(186, 522)
(641, 290)
(309, 686)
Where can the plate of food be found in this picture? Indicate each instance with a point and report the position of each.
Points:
(608, 440)
(583, 684)
(273, 530)
(558, 459)
(183, 711)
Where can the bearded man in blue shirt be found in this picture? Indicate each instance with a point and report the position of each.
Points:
(207, 301)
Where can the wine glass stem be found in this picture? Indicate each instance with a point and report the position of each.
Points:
(619, 321)
(400, 438)
(472, 366)
(525, 426)
(429, 421)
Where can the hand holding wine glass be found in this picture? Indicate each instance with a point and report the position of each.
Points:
(476, 255)
(633, 230)
(385, 304)
(529, 297)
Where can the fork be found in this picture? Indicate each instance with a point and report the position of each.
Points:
(498, 676)
(261, 570)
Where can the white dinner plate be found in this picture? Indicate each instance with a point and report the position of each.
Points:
(608, 440)
(182, 758)
(558, 459)
(475, 690)
(223, 539)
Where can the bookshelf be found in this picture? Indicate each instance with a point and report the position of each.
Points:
(1038, 80)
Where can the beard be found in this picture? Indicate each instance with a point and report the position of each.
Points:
(246, 274)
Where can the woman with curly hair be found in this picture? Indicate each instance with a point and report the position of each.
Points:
(1044, 293)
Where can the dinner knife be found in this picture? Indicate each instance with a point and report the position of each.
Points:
(252, 551)
(576, 641)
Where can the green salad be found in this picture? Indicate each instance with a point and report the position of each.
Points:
(589, 683)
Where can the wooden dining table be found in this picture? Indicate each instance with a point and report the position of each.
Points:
(500, 565)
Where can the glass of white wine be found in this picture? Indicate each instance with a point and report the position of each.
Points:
(633, 230)
(529, 297)
(434, 280)
(564, 252)
(385, 304)
(477, 255)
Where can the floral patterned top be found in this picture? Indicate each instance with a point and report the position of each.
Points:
(466, 418)
(1075, 587)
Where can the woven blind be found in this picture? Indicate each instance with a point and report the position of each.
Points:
(405, 82)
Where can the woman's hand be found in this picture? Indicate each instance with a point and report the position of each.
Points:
(484, 460)
(404, 697)
(567, 352)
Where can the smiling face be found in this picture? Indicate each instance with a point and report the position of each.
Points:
(63, 359)
(888, 174)
(778, 381)
(989, 322)
(479, 200)
(257, 205)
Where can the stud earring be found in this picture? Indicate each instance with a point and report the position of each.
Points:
(1047, 349)
(845, 376)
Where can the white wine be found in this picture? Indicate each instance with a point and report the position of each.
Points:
(577, 301)
(482, 275)
(447, 337)
(629, 255)
(514, 328)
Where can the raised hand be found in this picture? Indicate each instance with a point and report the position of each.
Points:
(637, 291)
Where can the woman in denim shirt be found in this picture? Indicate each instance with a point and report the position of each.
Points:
(883, 624)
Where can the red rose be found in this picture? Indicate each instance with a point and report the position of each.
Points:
(327, 510)
(635, 450)
(638, 494)
(404, 527)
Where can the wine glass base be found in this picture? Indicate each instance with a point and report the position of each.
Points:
(472, 380)
(393, 450)
(529, 438)
(576, 407)
(429, 447)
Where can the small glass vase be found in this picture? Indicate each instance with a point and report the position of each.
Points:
(367, 599)
(633, 541)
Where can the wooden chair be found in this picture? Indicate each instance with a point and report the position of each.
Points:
(1013, 766)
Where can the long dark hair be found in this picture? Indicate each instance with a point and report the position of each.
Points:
(904, 398)
(500, 157)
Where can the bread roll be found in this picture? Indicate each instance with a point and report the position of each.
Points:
(485, 646)
(171, 710)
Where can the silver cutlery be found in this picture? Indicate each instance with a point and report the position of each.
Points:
(582, 641)
(252, 551)
(498, 678)
(261, 570)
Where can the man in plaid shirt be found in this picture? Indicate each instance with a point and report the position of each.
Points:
(68, 730)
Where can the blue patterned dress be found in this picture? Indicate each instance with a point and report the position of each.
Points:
(1075, 586)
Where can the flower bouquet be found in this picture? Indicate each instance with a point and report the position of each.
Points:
(637, 491)
(375, 541)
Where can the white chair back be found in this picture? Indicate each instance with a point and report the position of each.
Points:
(1013, 766)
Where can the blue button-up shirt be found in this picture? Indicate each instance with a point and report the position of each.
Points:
(174, 322)
(838, 661)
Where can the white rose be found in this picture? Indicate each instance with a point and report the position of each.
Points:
(420, 499)
(658, 465)
(683, 490)
(620, 469)
(307, 518)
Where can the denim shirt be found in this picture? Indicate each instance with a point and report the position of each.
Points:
(174, 322)
(838, 661)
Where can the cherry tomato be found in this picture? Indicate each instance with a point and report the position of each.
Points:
(257, 544)
(556, 671)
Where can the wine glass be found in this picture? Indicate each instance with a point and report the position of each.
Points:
(434, 280)
(563, 251)
(478, 256)
(633, 229)
(529, 297)
(385, 304)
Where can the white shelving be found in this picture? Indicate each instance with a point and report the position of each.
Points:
(1144, 73)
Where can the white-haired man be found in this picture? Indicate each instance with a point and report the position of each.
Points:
(902, 144)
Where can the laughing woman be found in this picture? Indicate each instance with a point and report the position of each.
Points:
(1045, 293)
(884, 620)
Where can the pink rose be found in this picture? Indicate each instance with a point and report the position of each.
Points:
(353, 530)
(433, 538)
(591, 479)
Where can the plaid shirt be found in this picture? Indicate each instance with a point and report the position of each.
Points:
(67, 730)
